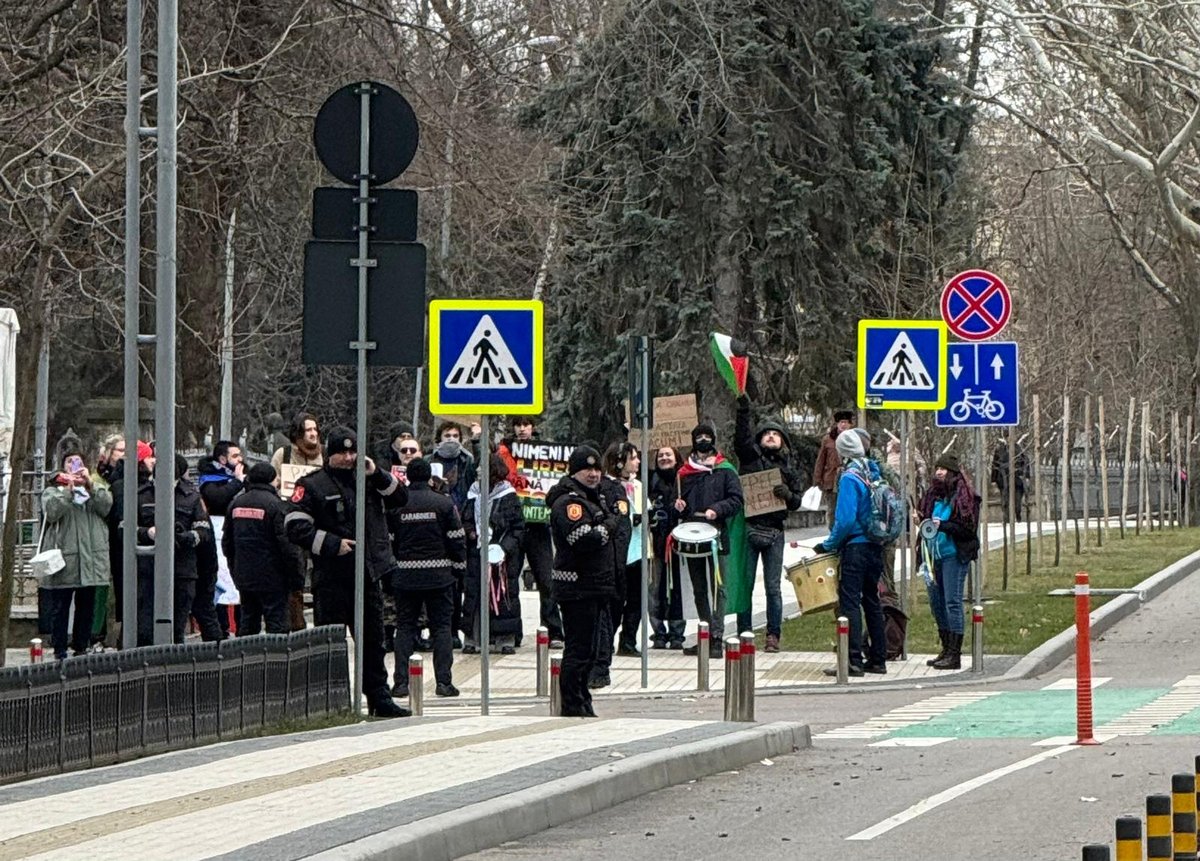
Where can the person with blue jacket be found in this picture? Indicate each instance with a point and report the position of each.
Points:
(861, 560)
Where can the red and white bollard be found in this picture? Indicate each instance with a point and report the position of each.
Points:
(733, 678)
(702, 656)
(416, 685)
(843, 650)
(543, 662)
(1083, 661)
(977, 639)
(555, 687)
(36, 653)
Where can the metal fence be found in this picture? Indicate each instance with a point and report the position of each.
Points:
(108, 707)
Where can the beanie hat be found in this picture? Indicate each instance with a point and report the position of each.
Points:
(181, 466)
(703, 429)
(261, 473)
(584, 457)
(144, 451)
(419, 470)
(340, 439)
(849, 445)
(948, 462)
(843, 416)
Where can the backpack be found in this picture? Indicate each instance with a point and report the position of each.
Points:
(888, 510)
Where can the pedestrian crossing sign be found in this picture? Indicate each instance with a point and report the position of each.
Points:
(485, 356)
(902, 364)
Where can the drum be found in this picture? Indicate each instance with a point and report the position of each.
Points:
(694, 539)
(815, 580)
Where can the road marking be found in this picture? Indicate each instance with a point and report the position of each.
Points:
(1183, 698)
(1068, 684)
(935, 801)
(910, 742)
(905, 716)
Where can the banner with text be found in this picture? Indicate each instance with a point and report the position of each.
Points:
(541, 464)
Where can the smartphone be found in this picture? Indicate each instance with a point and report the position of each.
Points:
(74, 463)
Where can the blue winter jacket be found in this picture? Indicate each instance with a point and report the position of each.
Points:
(853, 506)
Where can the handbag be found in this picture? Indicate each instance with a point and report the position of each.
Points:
(811, 500)
(762, 537)
(46, 563)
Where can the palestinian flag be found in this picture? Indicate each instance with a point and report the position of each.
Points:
(732, 361)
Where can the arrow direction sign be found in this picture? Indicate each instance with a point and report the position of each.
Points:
(972, 398)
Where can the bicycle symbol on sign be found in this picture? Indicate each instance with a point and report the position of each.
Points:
(983, 404)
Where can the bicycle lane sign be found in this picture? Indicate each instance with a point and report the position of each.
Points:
(982, 386)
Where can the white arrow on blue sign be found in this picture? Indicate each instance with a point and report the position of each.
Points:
(982, 387)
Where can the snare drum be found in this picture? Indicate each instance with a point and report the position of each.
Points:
(815, 580)
(694, 539)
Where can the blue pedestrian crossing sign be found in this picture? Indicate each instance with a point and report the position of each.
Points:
(901, 364)
(485, 356)
(983, 387)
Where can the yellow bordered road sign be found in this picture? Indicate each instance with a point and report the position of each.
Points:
(485, 356)
(902, 364)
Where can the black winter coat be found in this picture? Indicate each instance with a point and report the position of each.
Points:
(192, 528)
(217, 487)
(754, 458)
(583, 530)
(256, 545)
(428, 540)
(719, 490)
(323, 515)
(663, 516)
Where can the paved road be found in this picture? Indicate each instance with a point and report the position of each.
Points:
(966, 772)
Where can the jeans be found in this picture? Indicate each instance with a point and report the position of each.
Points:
(772, 564)
(698, 571)
(439, 606)
(579, 654)
(858, 594)
(946, 593)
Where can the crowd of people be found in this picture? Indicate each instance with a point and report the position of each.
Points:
(248, 538)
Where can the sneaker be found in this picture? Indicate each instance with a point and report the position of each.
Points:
(556, 645)
(772, 644)
(387, 709)
(675, 645)
(628, 652)
(400, 691)
(876, 669)
(508, 650)
(854, 671)
(446, 691)
(658, 644)
(470, 649)
(599, 681)
(692, 650)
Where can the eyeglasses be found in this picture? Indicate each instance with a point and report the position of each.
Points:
(409, 450)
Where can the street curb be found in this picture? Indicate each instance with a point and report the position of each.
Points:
(1060, 647)
(529, 811)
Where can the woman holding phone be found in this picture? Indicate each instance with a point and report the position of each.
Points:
(75, 508)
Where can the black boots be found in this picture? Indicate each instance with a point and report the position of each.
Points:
(952, 660)
(943, 633)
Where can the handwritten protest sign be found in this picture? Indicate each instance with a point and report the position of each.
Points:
(540, 465)
(758, 490)
(289, 474)
(674, 418)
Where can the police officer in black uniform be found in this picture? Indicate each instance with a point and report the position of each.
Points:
(429, 542)
(323, 523)
(584, 573)
(266, 567)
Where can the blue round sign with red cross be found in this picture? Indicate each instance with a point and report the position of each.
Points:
(976, 305)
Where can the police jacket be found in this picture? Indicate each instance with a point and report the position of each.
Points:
(427, 538)
(192, 528)
(752, 457)
(217, 487)
(323, 514)
(616, 501)
(583, 530)
(256, 545)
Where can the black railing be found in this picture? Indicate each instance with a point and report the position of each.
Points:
(109, 707)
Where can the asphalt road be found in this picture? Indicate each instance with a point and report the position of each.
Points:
(963, 778)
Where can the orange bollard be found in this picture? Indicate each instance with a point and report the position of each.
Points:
(1083, 663)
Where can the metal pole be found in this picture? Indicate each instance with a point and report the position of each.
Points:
(702, 656)
(416, 685)
(977, 638)
(904, 534)
(362, 347)
(543, 661)
(733, 679)
(40, 410)
(644, 504)
(416, 422)
(133, 252)
(164, 329)
(485, 622)
(226, 422)
(843, 650)
(746, 668)
(555, 686)
(981, 481)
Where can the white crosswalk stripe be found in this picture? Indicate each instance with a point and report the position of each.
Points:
(905, 716)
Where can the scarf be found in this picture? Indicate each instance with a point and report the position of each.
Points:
(310, 450)
(496, 492)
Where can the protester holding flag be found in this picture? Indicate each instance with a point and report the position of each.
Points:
(710, 492)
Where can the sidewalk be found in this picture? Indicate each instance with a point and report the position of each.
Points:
(420, 789)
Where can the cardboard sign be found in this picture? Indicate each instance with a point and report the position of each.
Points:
(541, 464)
(674, 418)
(289, 474)
(758, 489)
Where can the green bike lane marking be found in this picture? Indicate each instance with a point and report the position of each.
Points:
(1030, 714)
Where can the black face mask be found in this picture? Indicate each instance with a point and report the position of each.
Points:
(704, 445)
